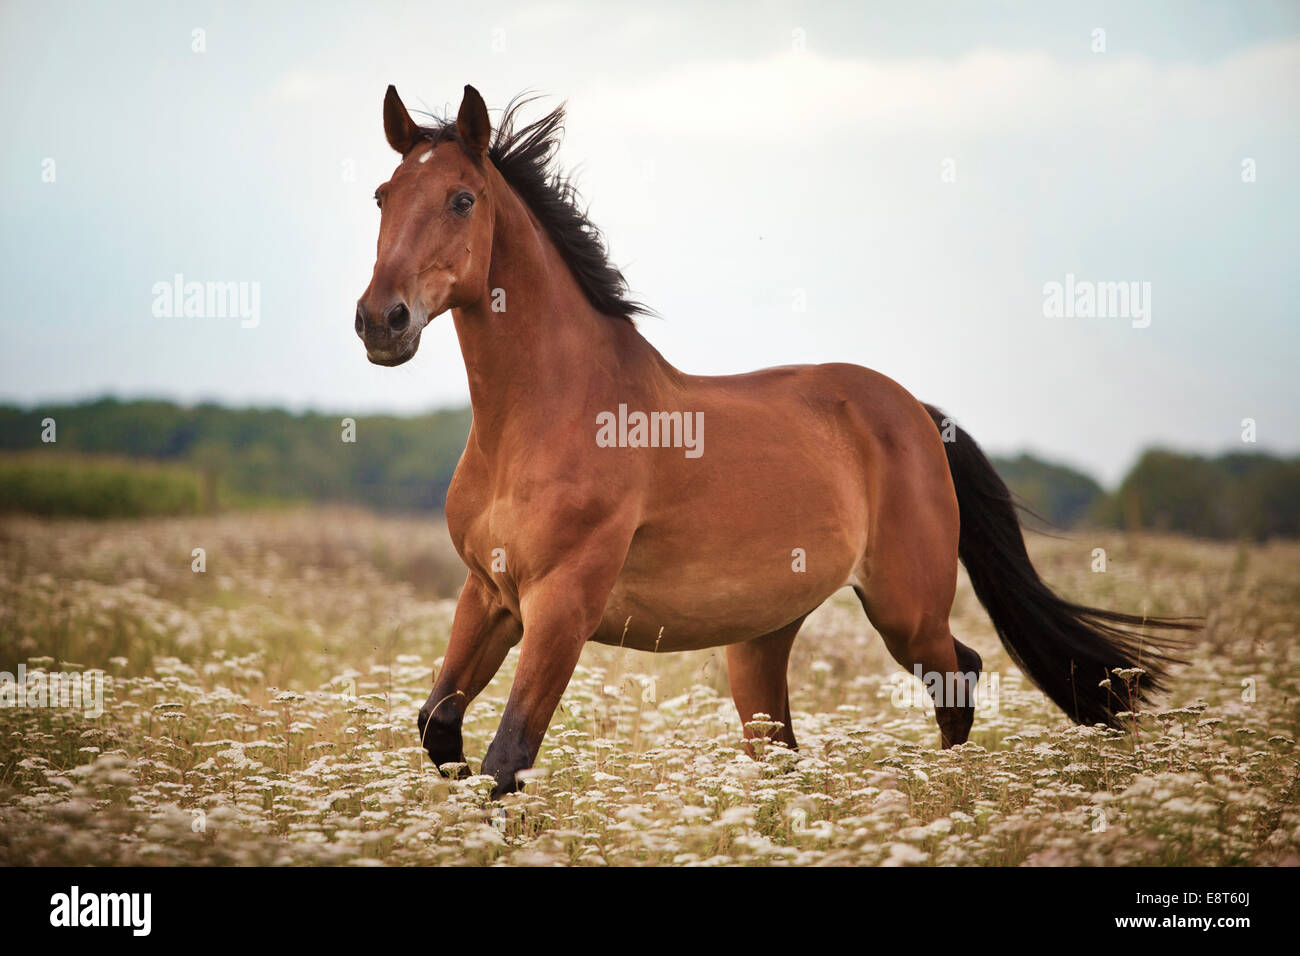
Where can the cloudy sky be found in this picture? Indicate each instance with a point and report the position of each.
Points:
(891, 184)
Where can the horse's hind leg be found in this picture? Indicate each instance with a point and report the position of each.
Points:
(906, 585)
(757, 671)
(925, 647)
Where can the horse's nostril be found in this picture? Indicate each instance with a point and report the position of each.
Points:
(399, 317)
(361, 320)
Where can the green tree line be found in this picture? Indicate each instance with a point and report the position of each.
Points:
(111, 457)
(256, 456)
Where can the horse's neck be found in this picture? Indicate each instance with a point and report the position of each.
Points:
(535, 350)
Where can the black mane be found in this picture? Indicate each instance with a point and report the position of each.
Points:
(524, 157)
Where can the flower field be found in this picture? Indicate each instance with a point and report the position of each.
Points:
(262, 674)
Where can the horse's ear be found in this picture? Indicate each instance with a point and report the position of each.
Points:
(398, 125)
(472, 123)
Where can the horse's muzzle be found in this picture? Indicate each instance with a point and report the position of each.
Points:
(390, 339)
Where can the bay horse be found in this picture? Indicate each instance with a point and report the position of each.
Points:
(718, 510)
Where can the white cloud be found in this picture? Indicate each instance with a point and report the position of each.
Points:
(985, 92)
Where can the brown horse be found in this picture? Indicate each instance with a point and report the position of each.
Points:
(591, 493)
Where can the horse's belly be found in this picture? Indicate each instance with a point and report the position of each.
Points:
(708, 600)
(739, 551)
(657, 622)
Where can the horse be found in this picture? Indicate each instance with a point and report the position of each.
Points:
(603, 495)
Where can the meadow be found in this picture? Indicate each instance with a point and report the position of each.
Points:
(96, 487)
(260, 699)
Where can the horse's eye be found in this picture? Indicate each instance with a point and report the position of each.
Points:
(462, 202)
(378, 202)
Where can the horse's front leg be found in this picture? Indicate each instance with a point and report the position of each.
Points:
(559, 618)
(482, 633)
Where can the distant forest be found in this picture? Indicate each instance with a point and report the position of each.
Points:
(115, 458)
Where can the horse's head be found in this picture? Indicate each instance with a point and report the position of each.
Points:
(435, 228)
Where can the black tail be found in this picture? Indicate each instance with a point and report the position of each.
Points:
(1066, 649)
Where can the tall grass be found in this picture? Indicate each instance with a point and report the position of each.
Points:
(61, 485)
(263, 711)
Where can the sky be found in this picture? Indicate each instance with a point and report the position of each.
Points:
(896, 185)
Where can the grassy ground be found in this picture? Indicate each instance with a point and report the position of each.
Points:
(73, 485)
(263, 711)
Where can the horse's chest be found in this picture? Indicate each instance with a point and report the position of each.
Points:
(478, 531)
(496, 535)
